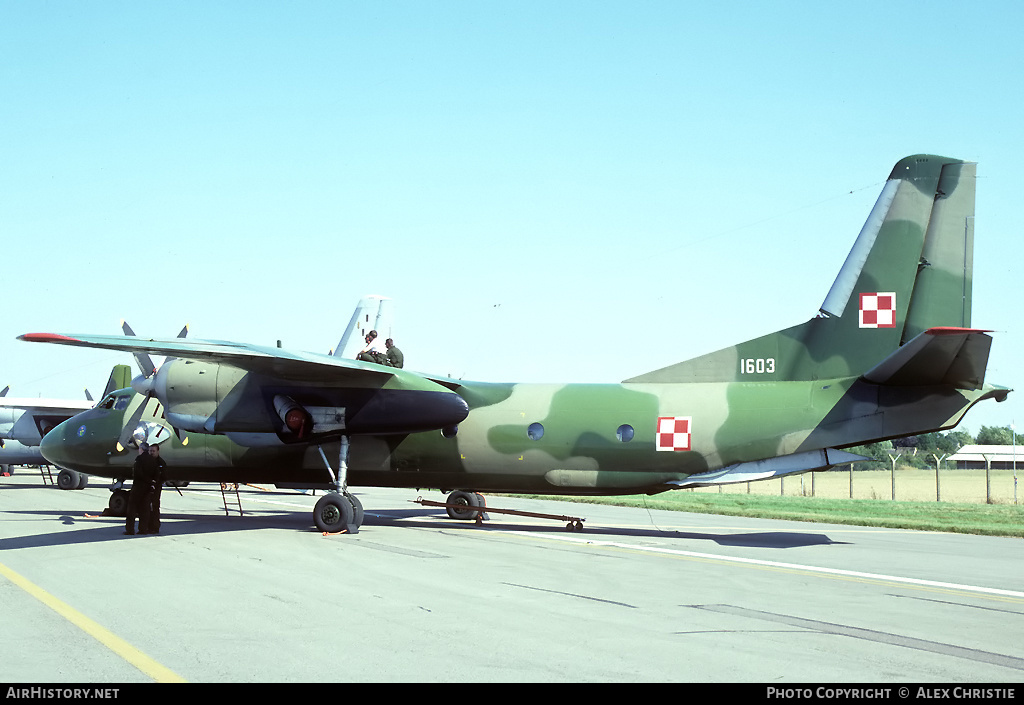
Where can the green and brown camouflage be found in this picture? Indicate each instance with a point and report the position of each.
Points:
(892, 353)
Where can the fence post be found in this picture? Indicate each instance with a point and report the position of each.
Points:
(988, 480)
(894, 458)
(938, 496)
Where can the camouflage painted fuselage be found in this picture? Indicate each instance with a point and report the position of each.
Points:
(891, 354)
(559, 439)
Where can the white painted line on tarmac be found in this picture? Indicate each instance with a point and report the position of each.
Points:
(778, 564)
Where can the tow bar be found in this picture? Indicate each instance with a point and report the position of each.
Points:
(574, 523)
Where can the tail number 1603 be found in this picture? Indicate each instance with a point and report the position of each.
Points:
(757, 366)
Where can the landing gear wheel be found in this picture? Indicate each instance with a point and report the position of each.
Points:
(83, 480)
(118, 504)
(470, 500)
(68, 479)
(333, 513)
(357, 510)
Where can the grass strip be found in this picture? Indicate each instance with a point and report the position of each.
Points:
(984, 519)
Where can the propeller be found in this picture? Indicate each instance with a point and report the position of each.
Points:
(145, 361)
(135, 429)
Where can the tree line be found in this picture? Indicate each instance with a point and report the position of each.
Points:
(921, 451)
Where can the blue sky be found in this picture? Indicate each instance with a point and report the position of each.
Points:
(551, 191)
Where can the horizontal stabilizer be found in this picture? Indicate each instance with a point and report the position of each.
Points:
(955, 357)
(822, 459)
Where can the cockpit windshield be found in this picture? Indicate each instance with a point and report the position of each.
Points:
(117, 402)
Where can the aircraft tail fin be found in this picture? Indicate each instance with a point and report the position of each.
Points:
(120, 378)
(371, 313)
(910, 270)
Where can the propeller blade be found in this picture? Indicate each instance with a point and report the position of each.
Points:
(145, 361)
(145, 417)
(133, 422)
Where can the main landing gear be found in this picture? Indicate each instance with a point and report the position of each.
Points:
(71, 479)
(464, 505)
(338, 511)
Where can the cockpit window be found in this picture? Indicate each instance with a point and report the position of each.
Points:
(117, 402)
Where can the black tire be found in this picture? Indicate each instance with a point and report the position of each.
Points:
(333, 513)
(357, 510)
(118, 504)
(83, 481)
(68, 479)
(470, 500)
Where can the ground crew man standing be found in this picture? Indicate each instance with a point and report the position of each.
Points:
(149, 519)
(138, 497)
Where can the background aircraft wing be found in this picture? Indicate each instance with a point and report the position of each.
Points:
(28, 420)
(46, 406)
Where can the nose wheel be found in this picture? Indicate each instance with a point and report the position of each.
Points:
(118, 504)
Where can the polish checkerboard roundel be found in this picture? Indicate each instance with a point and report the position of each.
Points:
(878, 310)
(673, 433)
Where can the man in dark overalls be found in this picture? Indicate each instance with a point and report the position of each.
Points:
(149, 517)
(138, 497)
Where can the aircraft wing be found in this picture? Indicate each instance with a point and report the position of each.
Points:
(372, 398)
(46, 406)
(287, 365)
(955, 357)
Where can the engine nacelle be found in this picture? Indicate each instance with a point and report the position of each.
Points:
(296, 419)
(191, 392)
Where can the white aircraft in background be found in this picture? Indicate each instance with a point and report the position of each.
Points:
(25, 420)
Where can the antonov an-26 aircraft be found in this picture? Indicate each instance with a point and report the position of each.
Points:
(892, 353)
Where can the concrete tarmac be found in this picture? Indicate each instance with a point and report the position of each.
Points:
(637, 596)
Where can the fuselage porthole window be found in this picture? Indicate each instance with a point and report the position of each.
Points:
(535, 431)
(624, 433)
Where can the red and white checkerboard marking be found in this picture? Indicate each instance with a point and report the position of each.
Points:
(878, 310)
(673, 433)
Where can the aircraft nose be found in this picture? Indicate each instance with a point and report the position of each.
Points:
(77, 444)
(53, 445)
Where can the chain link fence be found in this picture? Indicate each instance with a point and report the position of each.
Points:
(904, 483)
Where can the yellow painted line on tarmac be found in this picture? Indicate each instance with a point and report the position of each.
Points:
(119, 646)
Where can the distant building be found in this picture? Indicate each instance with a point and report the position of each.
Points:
(975, 457)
